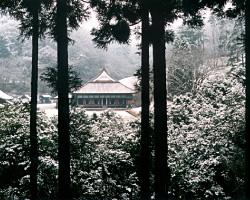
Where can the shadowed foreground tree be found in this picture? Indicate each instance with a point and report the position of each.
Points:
(162, 175)
(162, 13)
(63, 101)
(28, 13)
(145, 101)
(247, 136)
(133, 12)
(69, 14)
(33, 111)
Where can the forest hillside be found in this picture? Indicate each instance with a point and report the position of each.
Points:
(15, 58)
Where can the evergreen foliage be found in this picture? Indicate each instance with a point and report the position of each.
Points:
(206, 138)
(50, 77)
(104, 153)
(206, 147)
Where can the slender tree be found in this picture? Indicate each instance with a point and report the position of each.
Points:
(33, 110)
(63, 101)
(68, 17)
(145, 125)
(160, 94)
(247, 134)
(31, 27)
(132, 15)
(162, 13)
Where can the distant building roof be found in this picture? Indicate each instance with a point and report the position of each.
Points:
(5, 96)
(130, 82)
(25, 96)
(46, 96)
(103, 83)
(69, 96)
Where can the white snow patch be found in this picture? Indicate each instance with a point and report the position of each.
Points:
(51, 110)
(129, 82)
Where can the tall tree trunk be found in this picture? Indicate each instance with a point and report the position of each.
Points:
(247, 134)
(160, 100)
(145, 127)
(33, 111)
(63, 102)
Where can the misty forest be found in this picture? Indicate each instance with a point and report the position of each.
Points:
(124, 99)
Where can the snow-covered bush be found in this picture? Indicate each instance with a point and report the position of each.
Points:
(102, 150)
(206, 147)
(14, 154)
(14, 145)
(206, 140)
(105, 168)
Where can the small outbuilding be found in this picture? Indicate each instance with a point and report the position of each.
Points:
(45, 98)
(103, 91)
(25, 98)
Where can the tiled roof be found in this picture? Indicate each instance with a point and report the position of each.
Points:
(103, 83)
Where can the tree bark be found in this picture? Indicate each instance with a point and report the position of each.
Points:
(145, 127)
(33, 111)
(247, 133)
(63, 102)
(160, 100)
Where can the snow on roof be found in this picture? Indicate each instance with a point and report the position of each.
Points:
(105, 88)
(46, 96)
(25, 96)
(129, 81)
(5, 96)
(103, 76)
(69, 96)
(103, 83)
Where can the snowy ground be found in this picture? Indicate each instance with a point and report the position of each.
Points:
(51, 110)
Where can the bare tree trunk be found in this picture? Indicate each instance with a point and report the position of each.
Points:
(247, 134)
(33, 111)
(63, 102)
(160, 100)
(145, 127)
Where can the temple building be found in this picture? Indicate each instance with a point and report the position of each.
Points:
(103, 92)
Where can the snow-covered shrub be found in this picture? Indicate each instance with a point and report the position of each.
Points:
(104, 167)
(14, 145)
(14, 154)
(102, 155)
(206, 140)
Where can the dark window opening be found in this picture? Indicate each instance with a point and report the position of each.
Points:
(87, 101)
(96, 101)
(80, 101)
(122, 101)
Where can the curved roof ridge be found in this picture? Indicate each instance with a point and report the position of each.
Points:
(103, 76)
